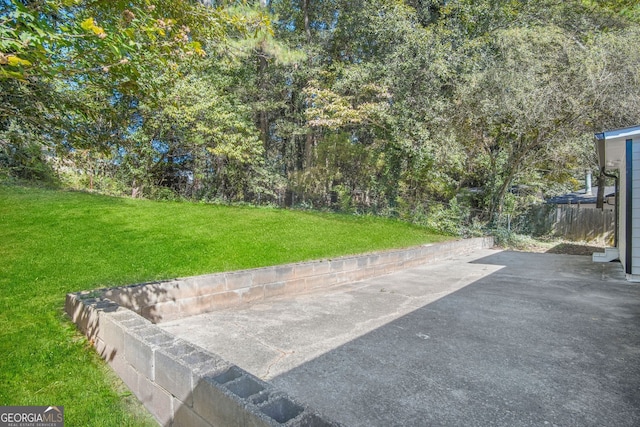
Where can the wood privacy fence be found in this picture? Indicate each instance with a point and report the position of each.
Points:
(572, 222)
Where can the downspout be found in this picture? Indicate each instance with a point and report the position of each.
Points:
(628, 204)
(616, 180)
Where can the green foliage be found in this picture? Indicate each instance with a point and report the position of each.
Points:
(629, 9)
(511, 240)
(451, 218)
(22, 156)
(380, 106)
(196, 138)
(95, 70)
(60, 38)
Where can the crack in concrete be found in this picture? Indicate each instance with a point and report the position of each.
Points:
(283, 353)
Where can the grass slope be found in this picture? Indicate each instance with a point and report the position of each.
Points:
(52, 243)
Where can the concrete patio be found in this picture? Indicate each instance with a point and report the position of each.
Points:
(491, 338)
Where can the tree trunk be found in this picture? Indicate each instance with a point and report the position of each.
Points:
(496, 205)
(309, 139)
(263, 119)
(307, 28)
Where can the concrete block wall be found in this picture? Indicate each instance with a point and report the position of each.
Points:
(170, 300)
(184, 385)
(179, 383)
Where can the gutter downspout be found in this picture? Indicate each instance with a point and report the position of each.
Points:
(616, 179)
(628, 204)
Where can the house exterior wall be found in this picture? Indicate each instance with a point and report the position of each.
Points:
(618, 149)
(629, 205)
(635, 207)
(622, 215)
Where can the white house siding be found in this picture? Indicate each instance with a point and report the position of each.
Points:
(613, 154)
(622, 215)
(635, 233)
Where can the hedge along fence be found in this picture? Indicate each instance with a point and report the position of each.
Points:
(182, 384)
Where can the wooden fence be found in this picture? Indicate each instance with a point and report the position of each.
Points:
(572, 222)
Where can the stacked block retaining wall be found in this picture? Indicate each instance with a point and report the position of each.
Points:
(179, 383)
(182, 384)
(174, 299)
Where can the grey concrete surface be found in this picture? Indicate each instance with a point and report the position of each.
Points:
(492, 338)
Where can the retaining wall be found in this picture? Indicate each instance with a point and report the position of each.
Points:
(182, 384)
(179, 383)
(170, 300)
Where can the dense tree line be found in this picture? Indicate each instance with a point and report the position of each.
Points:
(434, 111)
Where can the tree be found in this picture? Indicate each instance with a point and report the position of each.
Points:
(394, 106)
(199, 133)
(90, 64)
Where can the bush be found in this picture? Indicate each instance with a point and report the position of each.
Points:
(24, 160)
(444, 218)
(511, 240)
(162, 193)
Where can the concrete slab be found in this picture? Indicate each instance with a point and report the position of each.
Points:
(491, 338)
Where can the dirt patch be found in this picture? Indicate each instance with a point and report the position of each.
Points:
(575, 249)
(560, 247)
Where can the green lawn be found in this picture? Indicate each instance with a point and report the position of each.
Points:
(54, 242)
